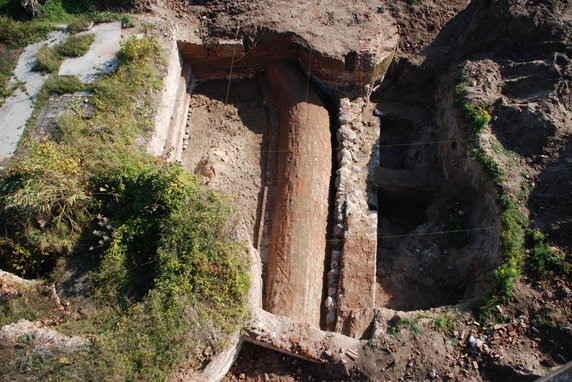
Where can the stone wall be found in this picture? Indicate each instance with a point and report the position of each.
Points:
(351, 278)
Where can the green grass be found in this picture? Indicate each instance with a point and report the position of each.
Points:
(8, 61)
(171, 280)
(80, 24)
(17, 34)
(48, 60)
(76, 45)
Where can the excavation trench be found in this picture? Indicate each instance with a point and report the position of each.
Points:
(266, 140)
(343, 233)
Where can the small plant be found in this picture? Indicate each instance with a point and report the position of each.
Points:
(488, 163)
(48, 60)
(478, 116)
(446, 322)
(542, 258)
(16, 34)
(404, 323)
(8, 60)
(76, 45)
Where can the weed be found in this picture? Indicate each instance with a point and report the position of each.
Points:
(446, 322)
(16, 34)
(76, 45)
(542, 258)
(488, 164)
(478, 117)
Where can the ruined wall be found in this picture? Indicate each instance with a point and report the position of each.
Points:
(351, 279)
(173, 107)
(299, 219)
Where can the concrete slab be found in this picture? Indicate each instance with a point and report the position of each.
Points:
(19, 106)
(101, 58)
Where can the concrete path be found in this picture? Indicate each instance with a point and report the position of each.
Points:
(19, 106)
(101, 58)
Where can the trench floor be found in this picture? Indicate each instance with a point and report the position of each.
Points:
(227, 145)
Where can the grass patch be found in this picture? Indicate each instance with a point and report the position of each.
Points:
(171, 280)
(81, 24)
(76, 45)
(8, 61)
(477, 116)
(48, 60)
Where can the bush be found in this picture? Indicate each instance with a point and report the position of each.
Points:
(17, 34)
(48, 60)
(8, 61)
(76, 45)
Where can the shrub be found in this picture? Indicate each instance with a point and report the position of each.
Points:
(76, 45)
(48, 60)
(171, 279)
(8, 60)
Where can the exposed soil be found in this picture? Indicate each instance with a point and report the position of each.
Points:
(226, 144)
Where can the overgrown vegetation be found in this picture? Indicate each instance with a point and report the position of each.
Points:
(17, 29)
(48, 60)
(514, 222)
(8, 61)
(542, 258)
(170, 278)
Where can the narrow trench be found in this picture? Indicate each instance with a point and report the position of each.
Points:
(332, 105)
(233, 132)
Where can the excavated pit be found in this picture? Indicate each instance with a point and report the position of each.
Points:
(435, 247)
(340, 232)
